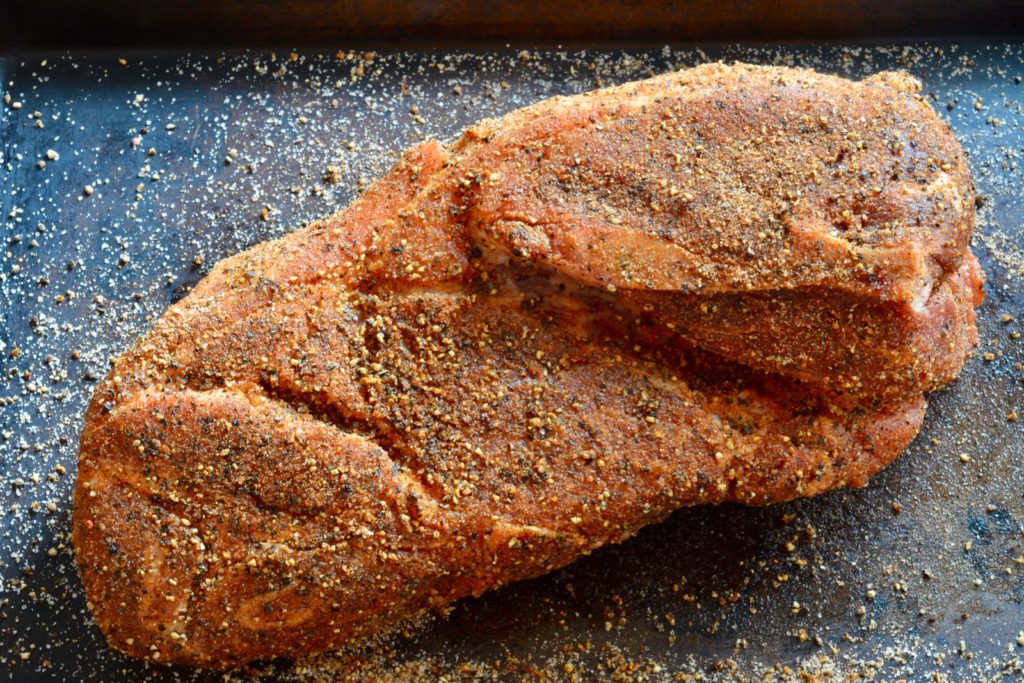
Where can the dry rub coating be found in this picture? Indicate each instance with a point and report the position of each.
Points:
(731, 283)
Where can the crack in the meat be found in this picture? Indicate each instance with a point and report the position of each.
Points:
(328, 412)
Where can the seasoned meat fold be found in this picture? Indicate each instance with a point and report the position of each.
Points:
(730, 283)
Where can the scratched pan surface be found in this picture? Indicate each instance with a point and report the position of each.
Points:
(914, 575)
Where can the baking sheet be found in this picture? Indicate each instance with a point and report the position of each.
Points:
(920, 573)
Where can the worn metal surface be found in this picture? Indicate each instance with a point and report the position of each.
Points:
(72, 23)
(842, 581)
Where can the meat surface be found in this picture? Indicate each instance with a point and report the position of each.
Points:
(730, 283)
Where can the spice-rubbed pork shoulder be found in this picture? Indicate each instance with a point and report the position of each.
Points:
(731, 283)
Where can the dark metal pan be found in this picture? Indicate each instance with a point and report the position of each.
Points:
(491, 23)
(920, 573)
